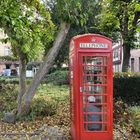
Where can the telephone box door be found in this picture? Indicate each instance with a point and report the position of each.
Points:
(95, 96)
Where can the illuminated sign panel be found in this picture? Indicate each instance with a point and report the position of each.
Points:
(93, 45)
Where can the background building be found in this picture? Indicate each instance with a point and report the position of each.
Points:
(117, 57)
(11, 67)
(7, 67)
(134, 63)
(135, 60)
(135, 56)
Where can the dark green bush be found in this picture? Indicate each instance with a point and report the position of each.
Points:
(127, 85)
(58, 77)
(12, 80)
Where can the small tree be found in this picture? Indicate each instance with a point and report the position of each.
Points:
(15, 23)
(26, 30)
(69, 12)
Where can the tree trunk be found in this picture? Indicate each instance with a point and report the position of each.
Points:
(126, 57)
(22, 80)
(44, 68)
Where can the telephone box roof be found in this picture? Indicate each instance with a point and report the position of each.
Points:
(94, 35)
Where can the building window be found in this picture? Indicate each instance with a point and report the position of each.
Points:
(132, 64)
(7, 50)
(117, 54)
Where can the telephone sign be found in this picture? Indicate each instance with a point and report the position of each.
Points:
(93, 45)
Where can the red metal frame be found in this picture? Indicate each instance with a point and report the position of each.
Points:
(91, 78)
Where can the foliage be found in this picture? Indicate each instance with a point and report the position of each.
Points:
(8, 95)
(57, 98)
(126, 74)
(126, 85)
(7, 58)
(58, 77)
(87, 23)
(50, 107)
(40, 107)
(61, 77)
(123, 121)
(71, 11)
(4, 80)
(120, 17)
(135, 113)
(121, 114)
(45, 102)
(26, 25)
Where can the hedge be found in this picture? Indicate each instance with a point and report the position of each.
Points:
(58, 77)
(11, 80)
(125, 84)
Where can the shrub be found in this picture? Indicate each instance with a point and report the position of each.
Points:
(8, 96)
(42, 107)
(12, 80)
(135, 113)
(58, 77)
(126, 85)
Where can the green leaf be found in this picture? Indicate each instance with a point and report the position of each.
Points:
(137, 7)
(138, 29)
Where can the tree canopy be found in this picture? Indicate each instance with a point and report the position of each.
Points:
(28, 25)
(121, 18)
(87, 23)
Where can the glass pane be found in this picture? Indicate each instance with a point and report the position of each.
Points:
(93, 60)
(94, 99)
(94, 69)
(101, 99)
(104, 70)
(95, 127)
(95, 89)
(94, 78)
(94, 107)
(91, 79)
(95, 122)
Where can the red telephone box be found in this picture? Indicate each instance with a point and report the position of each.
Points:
(91, 87)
